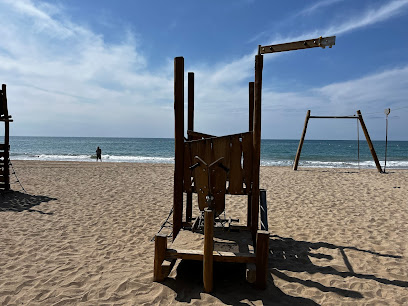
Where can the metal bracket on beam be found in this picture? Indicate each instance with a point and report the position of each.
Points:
(322, 42)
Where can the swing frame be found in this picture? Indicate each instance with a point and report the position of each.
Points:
(360, 119)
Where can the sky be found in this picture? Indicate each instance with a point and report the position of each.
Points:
(105, 68)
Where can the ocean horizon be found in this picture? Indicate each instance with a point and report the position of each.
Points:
(274, 152)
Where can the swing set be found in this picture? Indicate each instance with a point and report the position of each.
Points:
(359, 119)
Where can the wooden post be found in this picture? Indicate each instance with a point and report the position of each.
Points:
(251, 128)
(179, 144)
(208, 249)
(251, 106)
(299, 150)
(262, 253)
(370, 144)
(190, 127)
(256, 143)
(160, 246)
(6, 140)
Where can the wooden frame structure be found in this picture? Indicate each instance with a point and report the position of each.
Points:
(239, 156)
(5, 146)
(359, 117)
(206, 165)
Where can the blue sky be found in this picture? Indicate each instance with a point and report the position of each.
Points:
(105, 68)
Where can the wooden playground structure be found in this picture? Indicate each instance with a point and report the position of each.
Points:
(212, 167)
(5, 146)
(359, 119)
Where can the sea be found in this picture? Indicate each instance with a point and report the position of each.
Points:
(315, 153)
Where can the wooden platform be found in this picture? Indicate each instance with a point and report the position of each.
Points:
(235, 245)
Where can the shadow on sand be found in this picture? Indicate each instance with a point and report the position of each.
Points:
(17, 201)
(287, 254)
(230, 286)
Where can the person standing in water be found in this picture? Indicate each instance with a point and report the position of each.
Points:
(98, 154)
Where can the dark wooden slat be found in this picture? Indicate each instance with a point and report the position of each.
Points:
(236, 177)
(187, 163)
(247, 154)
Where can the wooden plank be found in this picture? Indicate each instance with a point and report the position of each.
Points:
(160, 246)
(302, 138)
(218, 256)
(208, 249)
(303, 44)
(236, 176)
(247, 154)
(201, 184)
(179, 144)
(221, 148)
(187, 172)
(262, 252)
(197, 135)
(218, 183)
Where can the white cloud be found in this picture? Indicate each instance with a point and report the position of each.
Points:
(370, 17)
(65, 79)
(318, 5)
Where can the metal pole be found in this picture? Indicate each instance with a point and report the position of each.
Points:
(387, 112)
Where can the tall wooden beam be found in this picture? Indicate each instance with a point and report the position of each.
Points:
(6, 173)
(251, 128)
(208, 249)
(190, 127)
(179, 144)
(256, 143)
(370, 144)
(299, 150)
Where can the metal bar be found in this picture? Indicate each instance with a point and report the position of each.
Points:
(322, 42)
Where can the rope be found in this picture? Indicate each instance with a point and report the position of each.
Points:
(164, 224)
(18, 181)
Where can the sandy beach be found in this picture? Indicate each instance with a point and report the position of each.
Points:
(81, 235)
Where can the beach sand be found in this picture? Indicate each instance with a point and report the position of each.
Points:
(81, 235)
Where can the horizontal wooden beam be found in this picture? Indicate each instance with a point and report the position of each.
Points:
(217, 256)
(296, 45)
(195, 134)
(334, 117)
